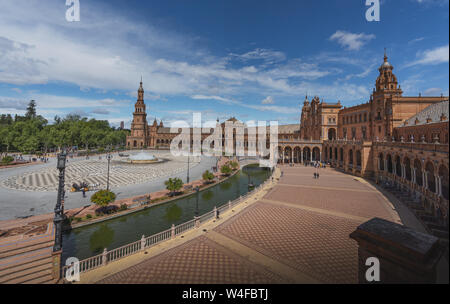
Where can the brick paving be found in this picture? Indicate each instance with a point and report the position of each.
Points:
(312, 243)
(199, 261)
(308, 232)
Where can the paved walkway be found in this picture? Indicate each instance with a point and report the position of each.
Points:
(40, 179)
(294, 231)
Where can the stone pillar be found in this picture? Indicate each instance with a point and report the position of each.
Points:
(439, 184)
(394, 168)
(56, 265)
(436, 182)
(215, 212)
(104, 257)
(301, 152)
(385, 165)
(413, 175)
(424, 179)
(172, 231)
(404, 255)
(143, 242)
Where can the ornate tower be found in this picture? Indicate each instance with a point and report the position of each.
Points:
(386, 86)
(139, 128)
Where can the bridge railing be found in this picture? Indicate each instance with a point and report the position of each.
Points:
(146, 242)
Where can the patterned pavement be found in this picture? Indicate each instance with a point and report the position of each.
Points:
(94, 171)
(300, 224)
(200, 261)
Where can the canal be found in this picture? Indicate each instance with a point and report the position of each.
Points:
(90, 240)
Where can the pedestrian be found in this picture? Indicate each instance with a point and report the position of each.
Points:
(317, 174)
(84, 192)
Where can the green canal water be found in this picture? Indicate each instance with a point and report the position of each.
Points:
(90, 240)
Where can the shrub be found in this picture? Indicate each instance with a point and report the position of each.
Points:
(234, 165)
(123, 207)
(208, 176)
(88, 216)
(7, 160)
(173, 185)
(78, 219)
(225, 170)
(103, 197)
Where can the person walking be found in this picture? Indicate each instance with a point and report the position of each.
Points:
(84, 192)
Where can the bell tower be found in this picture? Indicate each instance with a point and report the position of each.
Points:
(139, 125)
(386, 86)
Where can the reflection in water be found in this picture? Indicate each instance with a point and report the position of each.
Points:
(89, 240)
(225, 185)
(101, 239)
(207, 195)
(173, 213)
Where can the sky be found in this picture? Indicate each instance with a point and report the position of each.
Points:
(253, 60)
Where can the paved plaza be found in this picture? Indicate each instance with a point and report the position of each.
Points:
(295, 232)
(95, 170)
(32, 190)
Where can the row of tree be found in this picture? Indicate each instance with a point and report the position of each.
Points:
(32, 133)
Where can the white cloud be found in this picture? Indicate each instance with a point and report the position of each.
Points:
(351, 41)
(432, 56)
(433, 92)
(268, 100)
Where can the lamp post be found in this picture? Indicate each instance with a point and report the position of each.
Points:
(187, 179)
(197, 190)
(59, 209)
(108, 157)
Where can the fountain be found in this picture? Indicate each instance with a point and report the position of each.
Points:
(143, 158)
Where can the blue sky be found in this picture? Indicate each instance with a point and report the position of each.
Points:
(255, 60)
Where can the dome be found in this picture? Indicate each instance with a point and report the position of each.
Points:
(385, 65)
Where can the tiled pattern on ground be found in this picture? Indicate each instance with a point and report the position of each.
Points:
(314, 243)
(364, 204)
(328, 180)
(95, 172)
(310, 242)
(199, 261)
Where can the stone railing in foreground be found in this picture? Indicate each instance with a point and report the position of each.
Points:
(147, 242)
(402, 254)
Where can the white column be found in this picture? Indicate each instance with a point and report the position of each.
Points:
(439, 186)
(394, 168)
(424, 180)
(413, 175)
(436, 182)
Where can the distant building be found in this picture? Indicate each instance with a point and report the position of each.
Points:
(122, 125)
(391, 137)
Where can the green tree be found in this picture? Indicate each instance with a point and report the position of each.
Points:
(173, 185)
(208, 176)
(102, 198)
(31, 110)
(234, 165)
(225, 169)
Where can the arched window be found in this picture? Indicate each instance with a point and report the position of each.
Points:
(407, 163)
(381, 161)
(418, 169)
(443, 173)
(389, 163)
(429, 168)
(398, 166)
